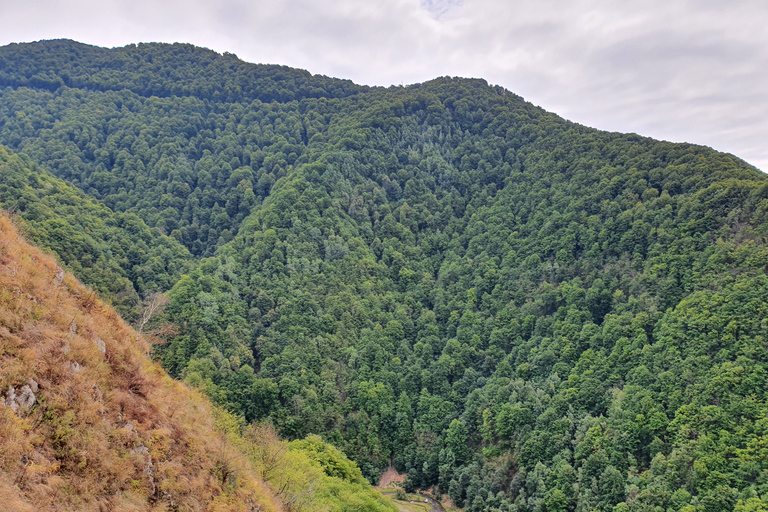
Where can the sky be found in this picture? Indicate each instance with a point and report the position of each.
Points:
(679, 70)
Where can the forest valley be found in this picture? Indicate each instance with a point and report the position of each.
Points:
(518, 312)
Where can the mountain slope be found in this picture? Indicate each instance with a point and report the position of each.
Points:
(116, 253)
(101, 425)
(155, 70)
(88, 422)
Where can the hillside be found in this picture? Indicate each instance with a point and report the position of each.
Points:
(527, 313)
(88, 422)
(115, 253)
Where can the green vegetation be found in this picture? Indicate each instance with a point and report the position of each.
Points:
(152, 129)
(527, 313)
(306, 475)
(115, 253)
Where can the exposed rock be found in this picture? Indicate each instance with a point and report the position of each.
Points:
(33, 385)
(10, 399)
(26, 399)
(73, 329)
(59, 276)
(96, 393)
(149, 467)
(21, 402)
(100, 344)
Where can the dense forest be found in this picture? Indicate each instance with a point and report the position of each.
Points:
(524, 313)
(115, 253)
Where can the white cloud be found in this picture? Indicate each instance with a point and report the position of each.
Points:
(691, 70)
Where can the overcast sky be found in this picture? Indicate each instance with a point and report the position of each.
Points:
(679, 70)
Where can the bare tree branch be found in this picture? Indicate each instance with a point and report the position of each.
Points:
(157, 301)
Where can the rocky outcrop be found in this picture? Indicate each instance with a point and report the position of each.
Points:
(21, 400)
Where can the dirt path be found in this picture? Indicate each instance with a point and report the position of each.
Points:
(436, 507)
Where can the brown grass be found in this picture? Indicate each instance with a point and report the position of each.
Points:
(109, 430)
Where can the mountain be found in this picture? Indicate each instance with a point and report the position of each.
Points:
(526, 313)
(87, 420)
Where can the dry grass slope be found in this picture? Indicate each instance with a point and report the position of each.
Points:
(87, 420)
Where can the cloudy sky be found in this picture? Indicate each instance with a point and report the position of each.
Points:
(682, 70)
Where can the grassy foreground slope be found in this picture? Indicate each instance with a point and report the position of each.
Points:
(106, 427)
(88, 422)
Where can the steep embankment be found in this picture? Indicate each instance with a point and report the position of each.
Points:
(87, 421)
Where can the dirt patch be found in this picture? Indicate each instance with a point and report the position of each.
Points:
(391, 477)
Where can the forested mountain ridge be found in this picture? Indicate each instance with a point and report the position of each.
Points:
(161, 70)
(528, 313)
(175, 161)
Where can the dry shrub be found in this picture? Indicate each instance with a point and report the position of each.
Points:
(12, 499)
